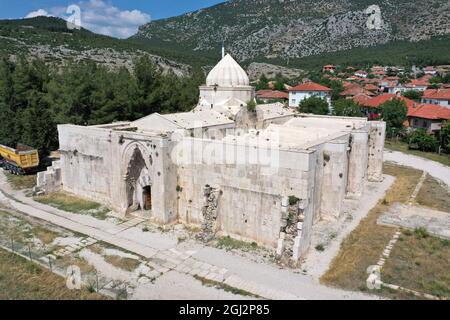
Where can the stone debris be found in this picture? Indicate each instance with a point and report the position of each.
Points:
(74, 247)
(209, 212)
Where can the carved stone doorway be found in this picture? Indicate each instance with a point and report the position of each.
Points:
(147, 198)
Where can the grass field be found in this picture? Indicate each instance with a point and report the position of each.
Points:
(435, 195)
(70, 203)
(420, 262)
(123, 263)
(21, 182)
(363, 247)
(403, 147)
(24, 280)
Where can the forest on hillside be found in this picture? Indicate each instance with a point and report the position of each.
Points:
(35, 97)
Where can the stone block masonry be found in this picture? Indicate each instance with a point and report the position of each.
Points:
(252, 164)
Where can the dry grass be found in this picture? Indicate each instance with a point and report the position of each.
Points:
(70, 203)
(434, 195)
(420, 262)
(45, 235)
(66, 261)
(21, 279)
(123, 263)
(21, 182)
(364, 245)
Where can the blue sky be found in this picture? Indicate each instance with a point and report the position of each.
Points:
(119, 18)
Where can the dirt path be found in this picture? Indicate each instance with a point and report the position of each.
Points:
(434, 169)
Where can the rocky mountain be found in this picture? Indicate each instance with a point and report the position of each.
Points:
(289, 29)
(50, 39)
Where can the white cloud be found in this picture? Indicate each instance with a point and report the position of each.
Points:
(37, 13)
(103, 17)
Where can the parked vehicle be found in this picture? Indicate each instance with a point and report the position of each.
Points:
(19, 161)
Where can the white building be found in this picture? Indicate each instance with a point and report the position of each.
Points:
(307, 90)
(437, 96)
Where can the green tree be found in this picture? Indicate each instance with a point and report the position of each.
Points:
(394, 112)
(445, 135)
(423, 141)
(413, 95)
(314, 105)
(263, 83)
(347, 108)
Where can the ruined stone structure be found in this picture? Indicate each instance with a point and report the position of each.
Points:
(265, 175)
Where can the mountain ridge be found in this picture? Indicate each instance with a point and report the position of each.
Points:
(282, 30)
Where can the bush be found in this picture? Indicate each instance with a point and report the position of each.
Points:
(413, 95)
(293, 200)
(445, 134)
(314, 105)
(421, 140)
(251, 106)
(347, 108)
(395, 114)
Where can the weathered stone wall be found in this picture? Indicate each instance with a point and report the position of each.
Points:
(335, 173)
(94, 164)
(357, 171)
(250, 194)
(377, 138)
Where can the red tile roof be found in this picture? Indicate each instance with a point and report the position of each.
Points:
(269, 94)
(429, 111)
(438, 94)
(310, 86)
(355, 90)
(371, 87)
(361, 99)
(418, 83)
(377, 101)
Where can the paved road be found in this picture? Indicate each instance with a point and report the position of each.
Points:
(266, 280)
(434, 169)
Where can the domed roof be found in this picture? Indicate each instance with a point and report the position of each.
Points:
(227, 73)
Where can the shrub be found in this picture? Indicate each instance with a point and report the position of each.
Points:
(347, 108)
(421, 233)
(423, 141)
(314, 105)
(251, 106)
(320, 247)
(293, 200)
(395, 114)
(413, 95)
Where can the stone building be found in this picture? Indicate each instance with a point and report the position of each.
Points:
(263, 174)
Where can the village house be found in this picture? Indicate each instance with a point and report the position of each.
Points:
(307, 90)
(329, 68)
(437, 96)
(361, 74)
(268, 96)
(265, 174)
(428, 116)
(430, 70)
(414, 85)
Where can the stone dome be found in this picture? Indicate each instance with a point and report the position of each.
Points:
(227, 73)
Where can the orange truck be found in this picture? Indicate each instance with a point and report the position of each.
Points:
(19, 161)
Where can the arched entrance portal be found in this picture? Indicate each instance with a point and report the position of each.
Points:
(138, 186)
